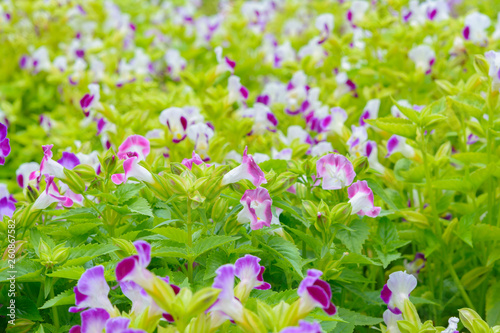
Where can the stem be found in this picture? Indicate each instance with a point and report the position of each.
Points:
(459, 286)
(54, 309)
(488, 149)
(190, 241)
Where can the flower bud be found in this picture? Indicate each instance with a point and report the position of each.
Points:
(177, 184)
(301, 191)
(85, 171)
(74, 181)
(340, 212)
(282, 183)
(360, 165)
(31, 193)
(202, 300)
(178, 168)
(468, 317)
(109, 164)
(219, 209)
(127, 247)
(481, 65)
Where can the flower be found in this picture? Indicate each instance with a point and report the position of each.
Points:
(493, 59)
(91, 100)
(7, 202)
(314, 293)
(248, 270)
(304, 327)
(321, 148)
(398, 144)
(472, 139)
(120, 325)
(424, 57)
(371, 152)
(133, 169)
(200, 134)
(397, 290)
(370, 111)
(134, 145)
(195, 159)
(176, 120)
(4, 144)
(336, 170)
(356, 12)
(415, 266)
(225, 64)
(68, 160)
(134, 268)
(339, 117)
(357, 140)
(92, 291)
(175, 63)
(296, 94)
(475, 28)
(391, 321)
(93, 320)
(256, 208)
(248, 169)
(51, 195)
(237, 91)
(452, 325)
(361, 199)
(50, 167)
(264, 119)
(226, 306)
(26, 172)
(324, 23)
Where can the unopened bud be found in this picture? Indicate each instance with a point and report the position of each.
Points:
(85, 171)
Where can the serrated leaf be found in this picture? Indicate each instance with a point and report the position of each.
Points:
(172, 233)
(141, 206)
(278, 166)
(398, 126)
(83, 253)
(206, 244)
(214, 261)
(378, 190)
(355, 239)
(127, 191)
(286, 250)
(358, 319)
(387, 258)
(64, 298)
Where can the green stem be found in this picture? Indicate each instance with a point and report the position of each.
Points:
(460, 286)
(489, 152)
(54, 309)
(190, 240)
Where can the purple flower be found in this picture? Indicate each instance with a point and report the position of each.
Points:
(93, 321)
(424, 58)
(69, 160)
(227, 306)
(264, 119)
(236, 91)
(92, 291)
(391, 321)
(398, 144)
(177, 121)
(225, 64)
(475, 28)
(397, 290)
(370, 111)
(250, 273)
(296, 94)
(472, 139)
(256, 208)
(361, 199)
(415, 266)
(356, 12)
(248, 169)
(133, 169)
(51, 195)
(134, 268)
(195, 159)
(315, 293)
(90, 100)
(371, 152)
(7, 202)
(4, 144)
(50, 167)
(324, 23)
(175, 63)
(120, 325)
(304, 327)
(493, 59)
(336, 170)
(200, 134)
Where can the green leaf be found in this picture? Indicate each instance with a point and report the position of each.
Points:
(285, 250)
(398, 126)
(214, 261)
(64, 298)
(355, 239)
(25, 309)
(485, 233)
(467, 103)
(356, 258)
(278, 166)
(172, 233)
(206, 244)
(471, 158)
(358, 319)
(141, 206)
(464, 228)
(71, 273)
(387, 258)
(408, 112)
(128, 191)
(83, 253)
(378, 190)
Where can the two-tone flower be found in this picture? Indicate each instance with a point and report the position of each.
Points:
(250, 273)
(237, 93)
(224, 63)
(314, 293)
(200, 134)
(475, 28)
(133, 150)
(397, 290)
(391, 321)
(324, 23)
(304, 327)
(175, 63)
(370, 111)
(296, 94)
(248, 169)
(51, 195)
(336, 171)
(397, 144)
(493, 59)
(91, 100)
(361, 199)
(134, 268)
(99, 320)
(7, 202)
(263, 118)
(357, 12)
(256, 208)
(424, 57)
(92, 291)
(4, 144)
(416, 265)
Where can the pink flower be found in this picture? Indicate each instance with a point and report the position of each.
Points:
(314, 293)
(336, 170)
(248, 169)
(361, 199)
(256, 208)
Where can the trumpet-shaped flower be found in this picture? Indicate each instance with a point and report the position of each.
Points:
(398, 144)
(475, 28)
(452, 325)
(391, 321)
(493, 59)
(93, 321)
(225, 64)
(357, 11)
(324, 23)
(134, 268)
(397, 290)
(371, 152)
(236, 91)
(248, 169)
(4, 144)
(227, 306)
(424, 57)
(175, 63)
(336, 171)
(200, 134)
(314, 293)
(195, 159)
(7, 202)
(91, 100)
(51, 195)
(264, 119)
(370, 111)
(248, 270)
(133, 169)
(296, 94)
(134, 146)
(361, 199)
(92, 291)
(176, 120)
(256, 208)
(415, 266)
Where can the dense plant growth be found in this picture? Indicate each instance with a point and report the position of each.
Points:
(249, 166)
